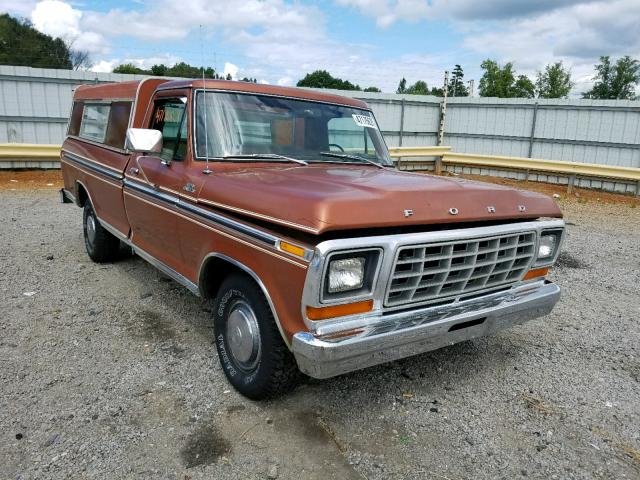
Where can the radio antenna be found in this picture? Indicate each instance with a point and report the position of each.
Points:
(206, 170)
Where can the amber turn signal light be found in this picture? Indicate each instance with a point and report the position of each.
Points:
(535, 273)
(322, 313)
(292, 249)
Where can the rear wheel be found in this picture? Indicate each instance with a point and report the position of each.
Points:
(253, 355)
(101, 245)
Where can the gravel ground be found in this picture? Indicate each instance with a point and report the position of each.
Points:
(109, 371)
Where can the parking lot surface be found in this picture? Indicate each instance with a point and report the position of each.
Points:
(109, 371)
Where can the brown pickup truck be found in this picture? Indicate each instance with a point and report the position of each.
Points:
(283, 208)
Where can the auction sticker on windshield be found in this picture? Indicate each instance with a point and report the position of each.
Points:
(364, 121)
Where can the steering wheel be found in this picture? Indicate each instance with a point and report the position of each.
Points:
(336, 145)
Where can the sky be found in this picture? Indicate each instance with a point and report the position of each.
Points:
(369, 42)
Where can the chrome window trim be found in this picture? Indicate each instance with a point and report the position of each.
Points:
(218, 90)
(255, 277)
(389, 244)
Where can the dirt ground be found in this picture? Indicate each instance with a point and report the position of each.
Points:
(110, 371)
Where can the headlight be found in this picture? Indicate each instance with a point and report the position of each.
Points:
(350, 275)
(548, 247)
(346, 274)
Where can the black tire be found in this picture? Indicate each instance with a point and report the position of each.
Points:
(101, 245)
(270, 369)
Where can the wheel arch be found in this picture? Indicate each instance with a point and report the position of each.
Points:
(216, 267)
(82, 194)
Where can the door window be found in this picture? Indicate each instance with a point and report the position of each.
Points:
(169, 116)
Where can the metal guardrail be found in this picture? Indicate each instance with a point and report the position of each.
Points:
(28, 151)
(32, 153)
(444, 156)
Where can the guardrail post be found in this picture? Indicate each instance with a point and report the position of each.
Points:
(638, 188)
(437, 167)
(572, 181)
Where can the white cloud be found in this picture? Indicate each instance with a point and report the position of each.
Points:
(185, 15)
(56, 18)
(530, 32)
(285, 81)
(104, 66)
(577, 35)
(144, 63)
(60, 19)
(231, 69)
(22, 8)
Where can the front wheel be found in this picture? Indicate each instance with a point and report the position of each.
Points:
(253, 355)
(101, 245)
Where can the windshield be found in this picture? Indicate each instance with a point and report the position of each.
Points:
(239, 124)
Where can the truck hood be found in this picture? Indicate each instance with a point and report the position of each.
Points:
(324, 197)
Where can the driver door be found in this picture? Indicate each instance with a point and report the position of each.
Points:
(155, 181)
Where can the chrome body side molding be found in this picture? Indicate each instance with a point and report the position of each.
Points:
(221, 220)
(167, 270)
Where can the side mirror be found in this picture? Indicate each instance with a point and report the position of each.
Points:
(144, 140)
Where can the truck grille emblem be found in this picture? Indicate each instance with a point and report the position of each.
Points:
(453, 211)
(408, 213)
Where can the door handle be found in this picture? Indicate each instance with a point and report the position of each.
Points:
(134, 170)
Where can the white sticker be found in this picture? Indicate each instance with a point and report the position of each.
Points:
(364, 121)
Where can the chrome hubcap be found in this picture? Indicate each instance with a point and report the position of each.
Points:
(91, 229)
(243, 335)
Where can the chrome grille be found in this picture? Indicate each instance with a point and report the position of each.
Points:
(437, 271)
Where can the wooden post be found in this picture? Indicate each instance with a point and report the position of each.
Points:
(401, 121)
(443, 113)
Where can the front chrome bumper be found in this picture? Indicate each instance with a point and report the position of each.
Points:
(403, 334)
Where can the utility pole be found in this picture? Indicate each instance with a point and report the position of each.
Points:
(443, 114)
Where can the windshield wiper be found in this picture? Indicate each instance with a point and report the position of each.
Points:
(263, 156)
(351, 157)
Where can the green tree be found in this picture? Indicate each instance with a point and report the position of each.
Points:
(159, 70)
(402, 86)
(23, 45)
(323, 79)
(418, 88)
(523, 87)
(185, 70)
(617, 81)
(130, 68)
(502, 82)
(456, 86)
(372, 89)
(554, 82)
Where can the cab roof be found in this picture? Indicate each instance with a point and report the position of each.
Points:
(131, 89)
(249, 87)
